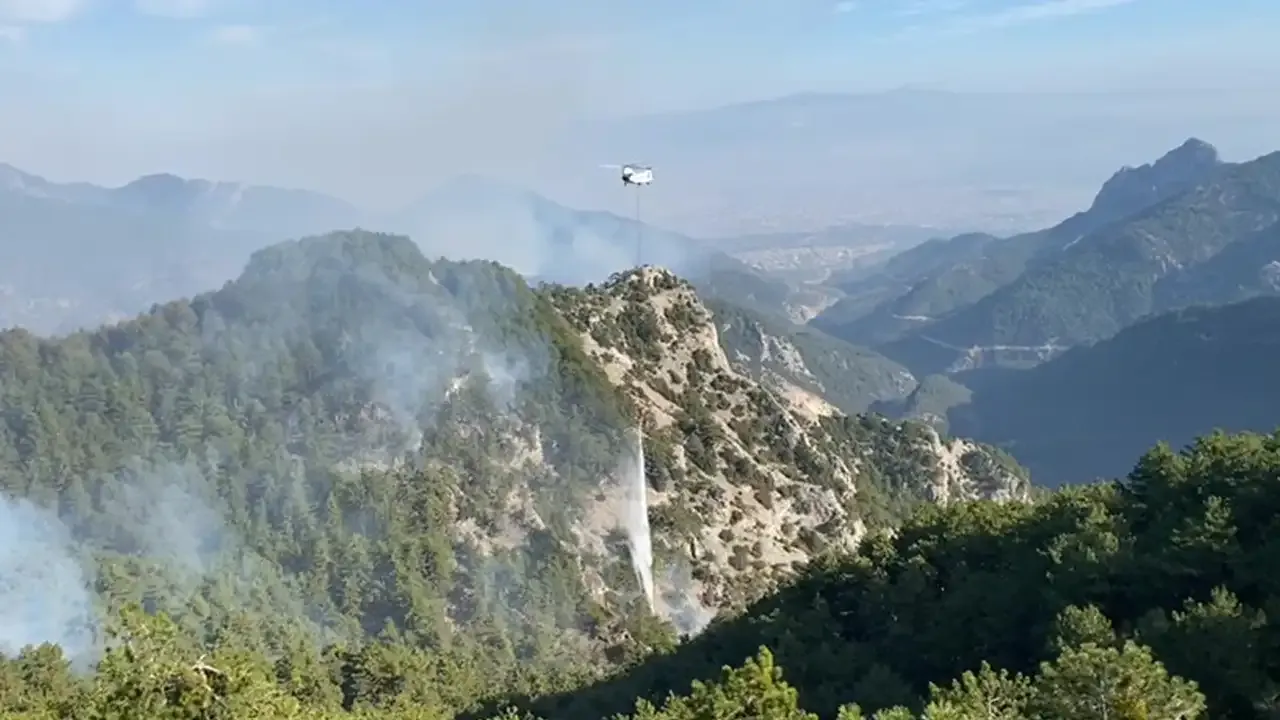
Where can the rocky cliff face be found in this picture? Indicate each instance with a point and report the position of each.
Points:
(749, 469)
(747, 481)
(1133, 188)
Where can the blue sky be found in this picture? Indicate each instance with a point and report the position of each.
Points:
(105, 89)
(687, 52)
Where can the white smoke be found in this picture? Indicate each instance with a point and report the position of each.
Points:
(411, 348)
(679, 601)
(44, 592)
(163, 514)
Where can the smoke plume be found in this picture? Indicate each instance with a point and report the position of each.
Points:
(44, 592)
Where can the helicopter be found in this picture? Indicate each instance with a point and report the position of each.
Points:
(633, 174)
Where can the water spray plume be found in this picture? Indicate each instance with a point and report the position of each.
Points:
(637, 520)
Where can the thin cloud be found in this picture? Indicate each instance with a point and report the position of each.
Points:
(238, 35)
(40, 11)
(846, 6)
(925, 17)
(1034, 12)
(915, 8)
(12, 34)
(182, 9)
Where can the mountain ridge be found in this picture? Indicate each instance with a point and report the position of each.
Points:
(178, 237)
(347, 409)
(1019, 301)
(1243, 198)
(983, 264)
(169, 237)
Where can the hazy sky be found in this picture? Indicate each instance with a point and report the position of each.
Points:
(363, 96)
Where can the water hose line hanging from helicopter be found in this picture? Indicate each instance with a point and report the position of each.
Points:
(639, 233)
(638, 177)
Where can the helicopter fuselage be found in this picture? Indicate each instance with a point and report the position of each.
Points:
(632, 175)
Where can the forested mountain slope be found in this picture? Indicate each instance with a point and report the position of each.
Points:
(934, 282)
(299, 446)
(1153, 597)
(352, 442)
(1171, 378)
(792, 357)
(1149, 598)
(884, 289)
(1105, 280)
(1248, 268)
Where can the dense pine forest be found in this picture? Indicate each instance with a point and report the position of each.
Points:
(1147, 598)
(291, 498)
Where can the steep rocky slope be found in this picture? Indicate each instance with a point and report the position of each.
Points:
(750, 481)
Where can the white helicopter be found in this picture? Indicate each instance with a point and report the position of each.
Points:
(633, 174)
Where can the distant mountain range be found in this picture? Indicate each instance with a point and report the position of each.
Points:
(75, 254)
(1150, 316)
(1185, 229)
(942, 331)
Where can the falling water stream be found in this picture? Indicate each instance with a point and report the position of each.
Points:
(637, 521)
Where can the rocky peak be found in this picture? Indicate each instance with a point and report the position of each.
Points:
(1192, 153)
(747, 482)
(163, 192)
(1132, 189)
(11, 178)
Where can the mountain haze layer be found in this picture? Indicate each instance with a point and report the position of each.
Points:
(953, 275)
(1129, 316)
(1114, 268)
(78, 254)
(1183, 230)
(999, 162)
